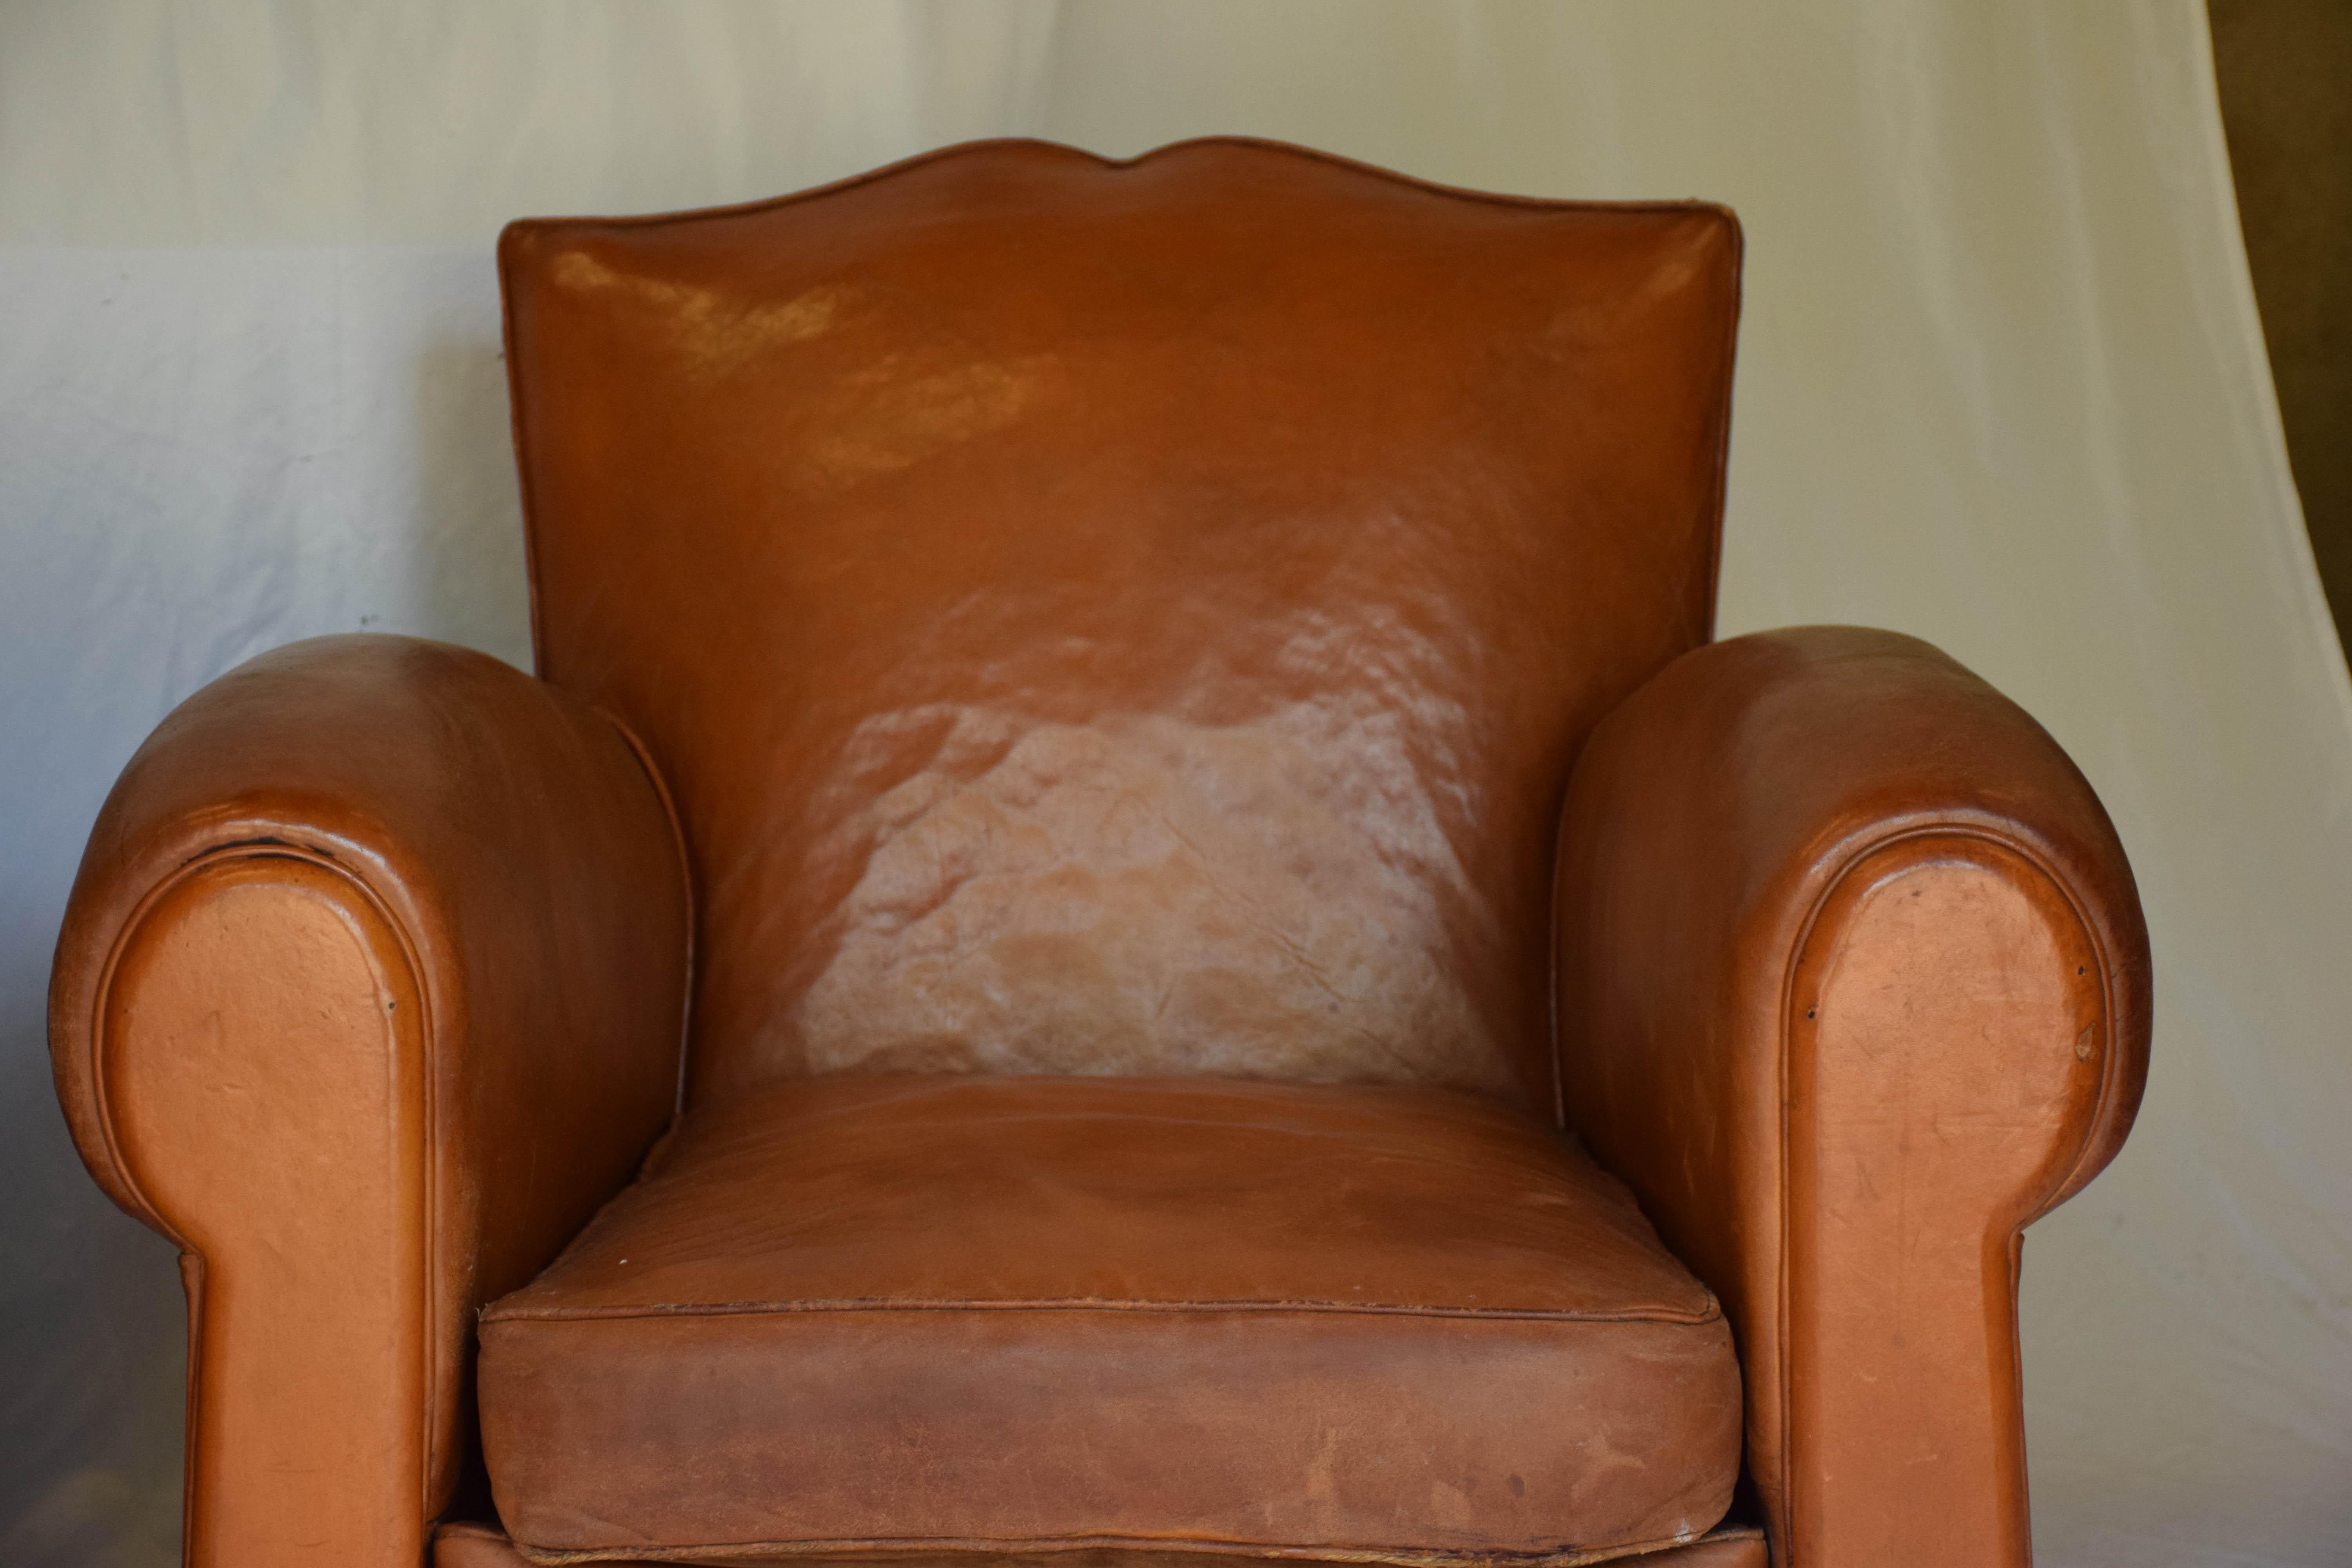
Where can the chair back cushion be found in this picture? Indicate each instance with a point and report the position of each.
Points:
(1122, 617)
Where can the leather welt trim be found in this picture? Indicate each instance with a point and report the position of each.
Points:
(1714, 1313)
(869, 1550)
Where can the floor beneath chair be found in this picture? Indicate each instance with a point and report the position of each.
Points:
(484, 1546)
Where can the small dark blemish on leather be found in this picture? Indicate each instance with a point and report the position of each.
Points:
(265, 841)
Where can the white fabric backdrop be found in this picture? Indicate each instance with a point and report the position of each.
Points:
(2001, 385)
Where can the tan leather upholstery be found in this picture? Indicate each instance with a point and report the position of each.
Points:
(924, 1310)
(1853, 985)
(369, 993)
(1135, 621)
(476, 1546)
(465, 1545)
(1122, 619)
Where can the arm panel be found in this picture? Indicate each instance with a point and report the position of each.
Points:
(370, 990)
(1852, 985)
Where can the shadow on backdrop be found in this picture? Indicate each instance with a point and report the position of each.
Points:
(2285, 74)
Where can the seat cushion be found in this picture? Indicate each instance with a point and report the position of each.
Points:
(929, 1313)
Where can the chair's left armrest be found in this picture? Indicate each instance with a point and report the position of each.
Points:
(1852, 985)
(370, 991)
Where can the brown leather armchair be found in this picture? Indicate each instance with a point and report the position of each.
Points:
(1118, 748)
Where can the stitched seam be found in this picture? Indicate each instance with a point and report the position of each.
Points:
(1563, 1556)
(1719, 440)
(523, 453)
(1722, 435)
(1055, 1304)
(686, 877)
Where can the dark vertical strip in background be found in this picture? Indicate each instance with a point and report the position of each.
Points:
(2285, 69)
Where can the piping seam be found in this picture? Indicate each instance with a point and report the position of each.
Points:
(1714, 1314)
(685, 881)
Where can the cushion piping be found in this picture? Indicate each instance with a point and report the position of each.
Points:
(1713, 1312)
(1396, 1557)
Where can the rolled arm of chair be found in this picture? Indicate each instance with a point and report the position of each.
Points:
(370, 990)
(1852, 985)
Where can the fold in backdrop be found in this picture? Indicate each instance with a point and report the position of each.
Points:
(2002, 384)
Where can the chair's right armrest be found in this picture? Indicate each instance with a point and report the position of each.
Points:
(1852, 984)
(370, 990)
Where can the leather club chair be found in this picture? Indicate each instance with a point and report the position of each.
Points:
(1130, 915)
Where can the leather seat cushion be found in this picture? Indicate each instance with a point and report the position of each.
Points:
(927, 1312)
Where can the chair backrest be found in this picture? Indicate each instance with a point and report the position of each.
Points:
(1123, 616)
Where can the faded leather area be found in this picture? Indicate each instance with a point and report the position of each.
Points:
(1122, 617)
(909, 1311)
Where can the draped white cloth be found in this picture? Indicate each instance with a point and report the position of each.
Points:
(2002, 384)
